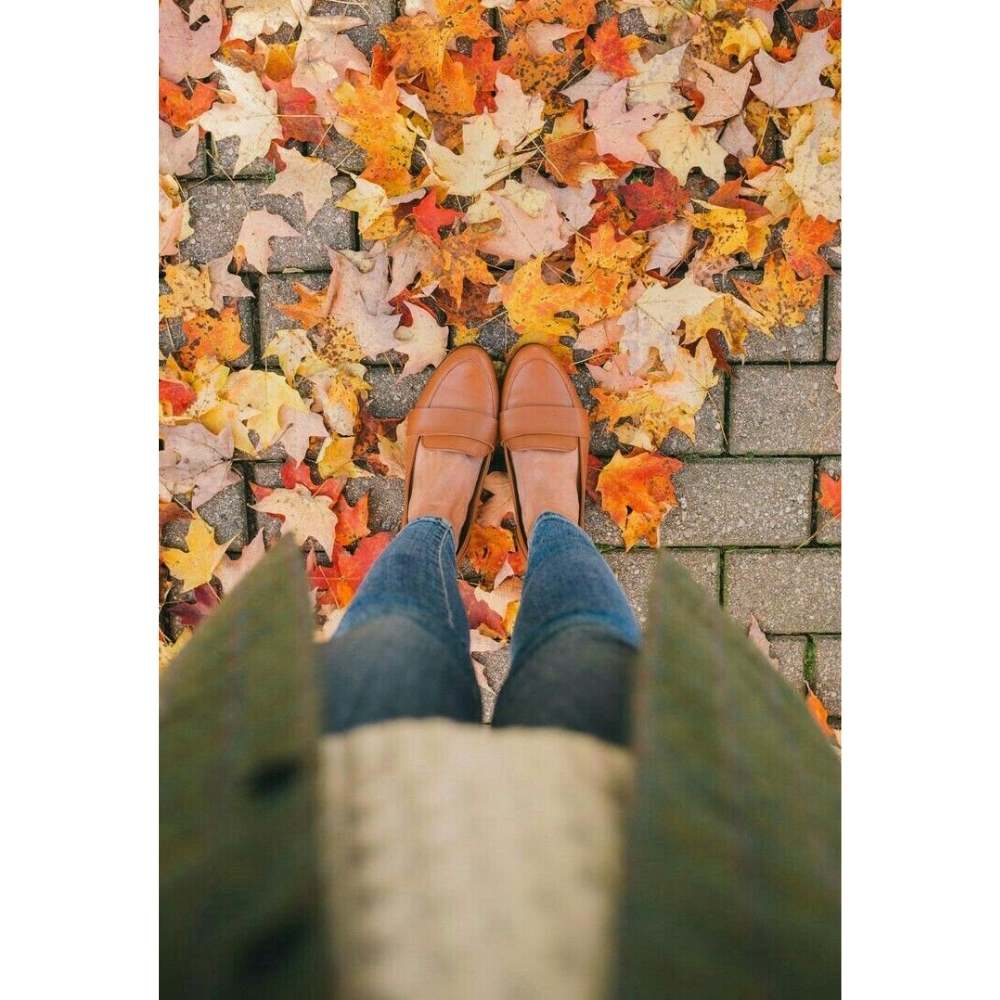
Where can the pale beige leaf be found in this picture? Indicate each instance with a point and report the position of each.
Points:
(224, 283)
(298, 426)
(518, 115)
(258, 229)
(424, 343)
(589, 88)
(252, 118)
(670, 244)
(478, 166)
(815, 171)
(184, 52)
(796, 82)
(177, 153)
(737, 139)
(682, 146)
(617, 129)
(574, 203)
(656, 79)
(756, 635)
(724, 92)
(305, 516)
(195, 461)
(308, 176)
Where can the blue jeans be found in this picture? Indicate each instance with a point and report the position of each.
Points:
(402, 648)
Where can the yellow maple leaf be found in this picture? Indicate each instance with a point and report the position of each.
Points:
(603, 267)
(190, 290)
(781, 298)
(260, 395)
(456, 260)
(533, 305)
(195, 566)
(334, 459)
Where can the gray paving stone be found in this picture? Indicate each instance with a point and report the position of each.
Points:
(375, 13)
(798, 343)
(392, 397)
(265, 474)
(788, 591)
(828, 526)
(790, 652)
(828, 672)
(833, 317)
(708, 424)
(730, 502)
(218, 208)
(222, 156)
(226, 512)
(782, 410)
(496, 337)
(172, 337)
(341, 153)
(385, 500)
(636, 570)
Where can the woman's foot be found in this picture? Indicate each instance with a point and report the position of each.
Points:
(451, 433)
(434, 466)
(545, 432)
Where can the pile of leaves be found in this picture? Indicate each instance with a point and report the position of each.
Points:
(525, 162)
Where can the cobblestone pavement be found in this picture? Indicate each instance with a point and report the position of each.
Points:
(748, 526)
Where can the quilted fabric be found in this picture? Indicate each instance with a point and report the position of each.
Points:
(463, 862)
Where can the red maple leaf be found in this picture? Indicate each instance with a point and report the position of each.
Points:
(655, 203)
(430, 217)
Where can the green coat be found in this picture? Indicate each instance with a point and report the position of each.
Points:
(430, 858)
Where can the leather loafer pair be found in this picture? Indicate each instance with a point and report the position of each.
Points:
(461, 409)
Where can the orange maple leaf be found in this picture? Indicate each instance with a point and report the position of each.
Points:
(637, 491)
(573, 13)
(540, 75)
(178, 109)
(571, 150)
(312, 307)
(455, 260)
(211, 336)
(829, 494)
(803, 238)
(380, 130)
(488, 549)
(610, 50)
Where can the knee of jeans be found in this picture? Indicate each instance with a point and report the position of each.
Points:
(394, 637)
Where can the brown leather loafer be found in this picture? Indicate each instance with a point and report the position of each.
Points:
(540, 411)
(457, 411)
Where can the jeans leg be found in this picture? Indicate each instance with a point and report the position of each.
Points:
(402, 648)
(574, 641)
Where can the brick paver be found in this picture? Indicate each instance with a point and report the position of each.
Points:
(784, 410)
(788, 591)
(833, 317)
(790, 652)
(827, 671)
(635, 571)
